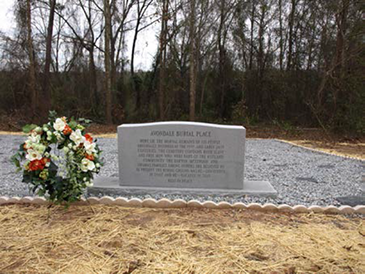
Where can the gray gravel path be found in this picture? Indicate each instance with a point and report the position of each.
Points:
(300, 176)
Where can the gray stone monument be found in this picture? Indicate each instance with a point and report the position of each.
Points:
(181, 158)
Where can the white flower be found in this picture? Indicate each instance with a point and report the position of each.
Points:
(38, 130)
(55, 157)
(89, 147)
(76, 137)
(33, 155)
(97, 165)
(34, 137)
(59, 137)
(88, 183)
(66, 149)
(39, 147)
(28, 144)
(59, 124)
(87, 165)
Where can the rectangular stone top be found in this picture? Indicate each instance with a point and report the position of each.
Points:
(181, 123)
(181, 155)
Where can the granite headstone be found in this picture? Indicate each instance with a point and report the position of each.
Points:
(181, 157)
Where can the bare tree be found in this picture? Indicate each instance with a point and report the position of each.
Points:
(107, 63)
(32, 67)
(46, 94)
(142, 7)
(163, 55)
(192, 61)
(291, 32)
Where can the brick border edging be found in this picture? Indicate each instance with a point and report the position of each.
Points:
(179, 203)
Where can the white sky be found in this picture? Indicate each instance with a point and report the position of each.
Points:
(6, 15)
(146, 43)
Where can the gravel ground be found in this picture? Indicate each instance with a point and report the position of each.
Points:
(299, 175)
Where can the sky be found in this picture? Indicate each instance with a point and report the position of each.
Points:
(146, 44)
(6, 15)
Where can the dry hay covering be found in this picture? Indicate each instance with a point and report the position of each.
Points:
(105, 239)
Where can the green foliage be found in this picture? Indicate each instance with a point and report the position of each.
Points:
(29, 128)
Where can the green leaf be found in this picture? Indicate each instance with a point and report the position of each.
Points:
(52, 169)
(15, 161)
(21, 147)
(27, 177)
(72, 124)
(29, 128)
(52, 115)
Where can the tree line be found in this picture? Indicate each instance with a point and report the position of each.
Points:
(300, 62)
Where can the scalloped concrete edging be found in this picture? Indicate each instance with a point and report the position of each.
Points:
(179, 203)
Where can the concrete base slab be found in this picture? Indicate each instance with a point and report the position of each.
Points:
(352, 200)
(110, 186)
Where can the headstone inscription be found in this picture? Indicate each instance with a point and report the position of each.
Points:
(181, 157)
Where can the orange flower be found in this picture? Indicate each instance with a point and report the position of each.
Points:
(89, 157)
(88, 137)
(67, 130)
(38, 164)
(45, 161)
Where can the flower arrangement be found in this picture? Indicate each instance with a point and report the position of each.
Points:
(60, 159)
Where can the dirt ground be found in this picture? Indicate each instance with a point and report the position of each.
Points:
(105, 239)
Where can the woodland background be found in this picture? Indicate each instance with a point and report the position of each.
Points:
(287, 62)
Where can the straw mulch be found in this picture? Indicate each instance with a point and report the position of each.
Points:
(105, 239)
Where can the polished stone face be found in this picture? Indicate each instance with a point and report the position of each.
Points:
(181, 155)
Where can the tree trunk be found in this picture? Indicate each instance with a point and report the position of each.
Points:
(46, 96)
(32, 69)
(339, 63)
(192, 61)
(291, 26)
(222, 60)
(134, 46)
(93, 85)
(163, 36)
(260, 55)
(94, 98)
(281, 54)
(108, 76)
(252, 19)
(135, 83)
(341, 21)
